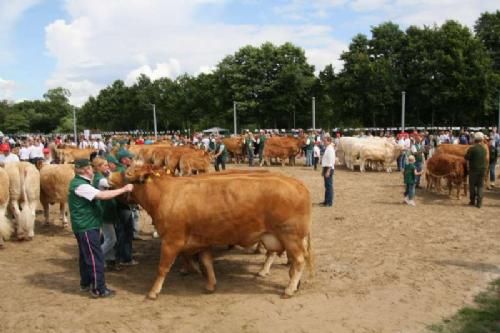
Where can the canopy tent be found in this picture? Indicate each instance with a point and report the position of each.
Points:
(215, 130)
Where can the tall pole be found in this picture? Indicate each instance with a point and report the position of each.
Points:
(74, 125)
(403, 100)
(234, 116)
(498, 127)
(294, 120)
(314, 112)
(154, 122)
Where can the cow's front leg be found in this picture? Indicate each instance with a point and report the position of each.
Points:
(169, 252)
(62, 210)
(46, 211)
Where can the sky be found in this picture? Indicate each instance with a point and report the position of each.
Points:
(85, 45)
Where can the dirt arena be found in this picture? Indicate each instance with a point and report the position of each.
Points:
(381, 266)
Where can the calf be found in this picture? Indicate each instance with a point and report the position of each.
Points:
(452, 168)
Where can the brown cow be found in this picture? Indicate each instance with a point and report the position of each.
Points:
(452, 168)
(236, 148)
(243, 210)
(190, 163)
(5, 227)
(282, 148)
(54, 184)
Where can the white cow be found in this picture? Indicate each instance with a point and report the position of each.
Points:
(5, 227)
(24, 190)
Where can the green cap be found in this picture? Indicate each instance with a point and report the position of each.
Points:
(112, 159)
(82, 163)
(122, 153)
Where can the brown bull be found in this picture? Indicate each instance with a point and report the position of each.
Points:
(282, 148)
(242, 211)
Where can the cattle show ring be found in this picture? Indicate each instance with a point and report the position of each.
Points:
(254, 247)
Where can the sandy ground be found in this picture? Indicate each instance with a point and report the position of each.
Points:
(381, 266)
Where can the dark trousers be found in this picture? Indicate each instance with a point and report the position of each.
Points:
(328, 186)
(261, 153)
(124, 235)
(316, 160)
(91, 260)
(476, 182)
(220, 161)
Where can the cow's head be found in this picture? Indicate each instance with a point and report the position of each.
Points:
(136, 173)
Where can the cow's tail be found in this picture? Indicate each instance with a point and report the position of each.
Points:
(309, 257)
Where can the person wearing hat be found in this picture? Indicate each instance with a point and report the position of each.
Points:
(328, 168)
(476, 156)
(128, 228)
(86, 220)
(249, 144)
(109, 213)
(6, 156)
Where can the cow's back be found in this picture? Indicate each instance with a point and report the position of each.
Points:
(54, 182)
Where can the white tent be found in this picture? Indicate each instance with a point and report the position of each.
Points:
(215, 130)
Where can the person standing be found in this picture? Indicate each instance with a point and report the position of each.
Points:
(410, 178)
(309, 149)
(328, 165)
(125, 228)
(86, 222)
(262, 142)
(418, 152)
(109, 213)
(476, 155)
(220, 154)
(493, 161)
(250, 143)
(316, 154)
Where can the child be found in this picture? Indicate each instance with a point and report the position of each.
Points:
(317, 154)
(410, 173)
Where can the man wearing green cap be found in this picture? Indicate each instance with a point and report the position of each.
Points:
(86, 220)
(127, 214)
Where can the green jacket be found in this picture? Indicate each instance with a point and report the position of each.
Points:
(409, 174)
(85, 215)
(224, 151)
(109, 211)
(476, 155)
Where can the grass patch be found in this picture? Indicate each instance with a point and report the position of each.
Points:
(483, 317)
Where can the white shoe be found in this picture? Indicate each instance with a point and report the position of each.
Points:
(155, 235)
(411, 203)
(405, 200)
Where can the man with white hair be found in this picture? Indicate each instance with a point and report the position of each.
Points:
(476, 155)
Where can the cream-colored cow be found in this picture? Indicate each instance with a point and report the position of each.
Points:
(54, 184)
(24, 190)
(5, 227)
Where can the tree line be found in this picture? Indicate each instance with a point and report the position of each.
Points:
(450, 75)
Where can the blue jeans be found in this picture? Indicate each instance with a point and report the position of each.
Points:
(108, 246)
(418, 167)
(250, 156)
(309, 157)
(410, 191)
(328, 186)
(402, 162)
(91, 260)
(492, 172)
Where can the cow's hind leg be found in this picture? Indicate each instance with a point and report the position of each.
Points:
(168, 253)
(62, 210)
(208, 263)
(296, 251)
(46, 210)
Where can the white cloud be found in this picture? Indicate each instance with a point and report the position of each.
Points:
(108, 40)
(171, 70)
(7, 89)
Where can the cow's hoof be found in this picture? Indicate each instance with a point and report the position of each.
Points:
(152, 296)
(262, 274)
(209, 290)
(286, 296)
